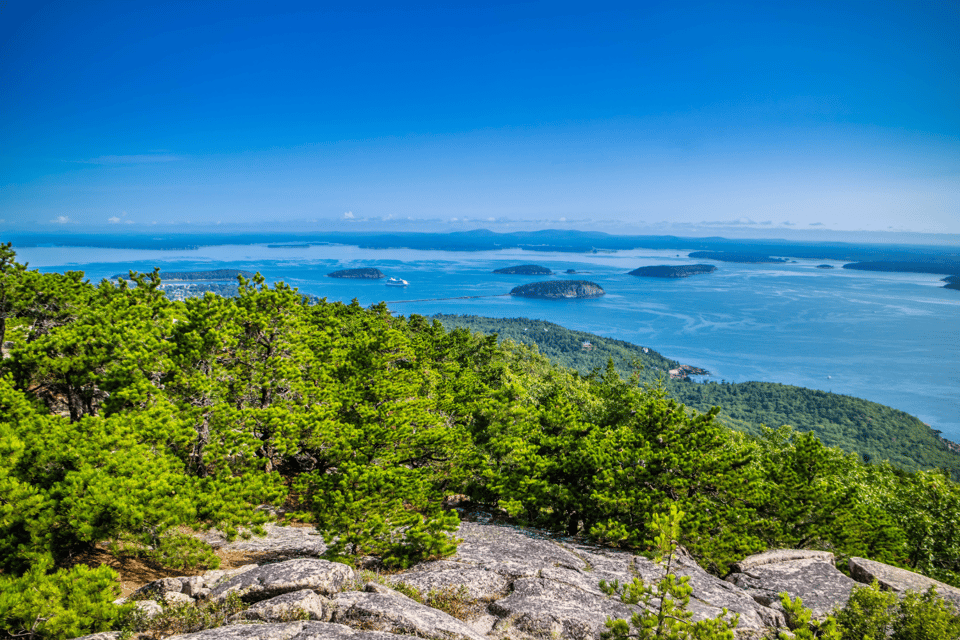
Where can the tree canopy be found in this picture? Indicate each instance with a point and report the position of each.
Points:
(125, 416)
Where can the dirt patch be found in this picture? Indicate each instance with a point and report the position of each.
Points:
(135, 572)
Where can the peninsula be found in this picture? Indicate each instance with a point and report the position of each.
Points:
(668, 271)
(365, 273)
(557, 289)
(730, 256)
(525, 270)
(195, 276)
(944, 267)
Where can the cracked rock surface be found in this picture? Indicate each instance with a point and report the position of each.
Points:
(816, 580)
(271, 580)
(505, 583)
(290, 631)
(388, 610)
(303, 604)
(899, 580)
(290, 542)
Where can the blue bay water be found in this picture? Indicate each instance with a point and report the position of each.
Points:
(888, 337)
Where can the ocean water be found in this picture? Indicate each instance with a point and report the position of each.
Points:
(893, 338)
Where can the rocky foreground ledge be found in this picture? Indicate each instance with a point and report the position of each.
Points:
(513, 583)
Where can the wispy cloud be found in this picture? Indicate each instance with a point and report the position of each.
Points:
(816, 224)
(143, 158)
(120, 219)
(739, 222)
(348, 215)
(61, 220)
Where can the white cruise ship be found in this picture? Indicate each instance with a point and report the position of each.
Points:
(396, 282)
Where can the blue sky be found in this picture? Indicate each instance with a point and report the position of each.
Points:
(676, 117)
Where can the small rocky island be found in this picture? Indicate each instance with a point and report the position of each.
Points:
(557, 289)
(366, 273)
(824, 266)
(525, 270)
(668, 271)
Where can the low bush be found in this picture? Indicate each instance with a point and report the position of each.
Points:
(42, 605)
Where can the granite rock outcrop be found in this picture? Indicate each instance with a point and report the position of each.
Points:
(513, 583)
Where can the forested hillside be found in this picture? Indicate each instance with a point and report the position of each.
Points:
(874, 431)
(126, 419)
(565, 347)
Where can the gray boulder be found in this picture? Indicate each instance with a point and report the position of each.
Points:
(510, 551)
(329, 631)
(251, 632)
(551, 608)
(174, 599)
(149, 608)
(104, 635)
(211, 579)
(443, 575)
(289, 631)
(395, 612)
(279, 542)
(899, 580)
(296, 605)
(775, 556)
(544, 588)
(194, 586)
(273, 580)
(711, 595)
(814, 579)
(158, 588)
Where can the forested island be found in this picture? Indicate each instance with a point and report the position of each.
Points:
(731, 256)
(556, 289)
(191, 276)
(668, 271)
(526, 270)
(365, 273)
(129, 421)
(953, 282)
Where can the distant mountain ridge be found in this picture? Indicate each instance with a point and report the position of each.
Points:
(944, 256)
(735, 256)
